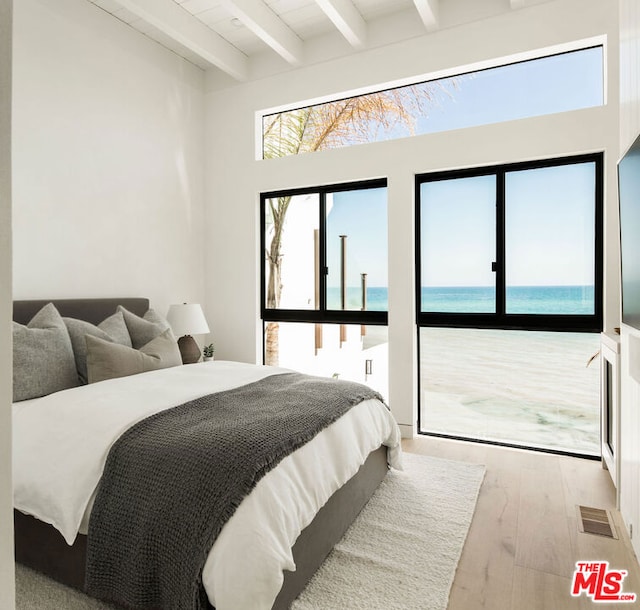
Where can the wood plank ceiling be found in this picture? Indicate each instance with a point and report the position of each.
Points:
(227, 34)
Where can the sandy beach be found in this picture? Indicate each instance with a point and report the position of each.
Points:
(523, 387)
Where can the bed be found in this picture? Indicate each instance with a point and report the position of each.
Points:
(43, 547)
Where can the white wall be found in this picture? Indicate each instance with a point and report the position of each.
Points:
(630, 388)
(108, 151)
(235, 178)
(7, 599)
(629, 73)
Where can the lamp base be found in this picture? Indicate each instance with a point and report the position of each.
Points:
(189, 349)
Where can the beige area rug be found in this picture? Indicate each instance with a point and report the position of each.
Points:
(401, 553)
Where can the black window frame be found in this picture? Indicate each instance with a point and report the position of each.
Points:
(322, 315)
(500, 319)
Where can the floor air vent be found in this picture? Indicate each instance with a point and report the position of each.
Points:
(596, 521)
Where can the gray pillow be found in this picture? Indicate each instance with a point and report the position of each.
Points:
(142, 330)
(107, 360)
(43, 360)
(154, 317)
(112, 329)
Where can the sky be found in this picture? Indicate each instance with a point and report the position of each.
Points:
(550, 231)
(361, 216)
(543, 86)
(550, 211)
(550, 228)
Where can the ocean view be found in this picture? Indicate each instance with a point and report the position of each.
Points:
(520, 299)
(568, 300)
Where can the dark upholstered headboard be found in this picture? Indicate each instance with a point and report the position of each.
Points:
(90, 310)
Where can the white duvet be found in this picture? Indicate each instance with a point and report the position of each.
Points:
(61, 441)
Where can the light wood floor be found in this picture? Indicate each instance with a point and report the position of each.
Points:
(524, 541)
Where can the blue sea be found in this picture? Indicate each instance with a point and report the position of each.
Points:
(567, 300)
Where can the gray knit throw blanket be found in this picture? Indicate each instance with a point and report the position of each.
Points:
(173, 480)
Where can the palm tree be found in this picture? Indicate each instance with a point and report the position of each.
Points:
(350, 121)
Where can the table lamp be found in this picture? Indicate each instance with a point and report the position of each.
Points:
(187, 319)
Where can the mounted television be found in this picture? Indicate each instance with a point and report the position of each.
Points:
(629, 195)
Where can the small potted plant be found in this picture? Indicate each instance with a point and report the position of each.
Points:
(207, 352)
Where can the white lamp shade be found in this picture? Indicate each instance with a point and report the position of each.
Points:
(187, 319)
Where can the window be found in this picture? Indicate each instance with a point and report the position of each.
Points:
(515, 246)
(550, 229)
(458, 234)
(546, 85)
(292, 226)
(324, 279)
(506, 257)
(325, 254)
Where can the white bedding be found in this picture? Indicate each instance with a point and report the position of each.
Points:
(61, 441)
